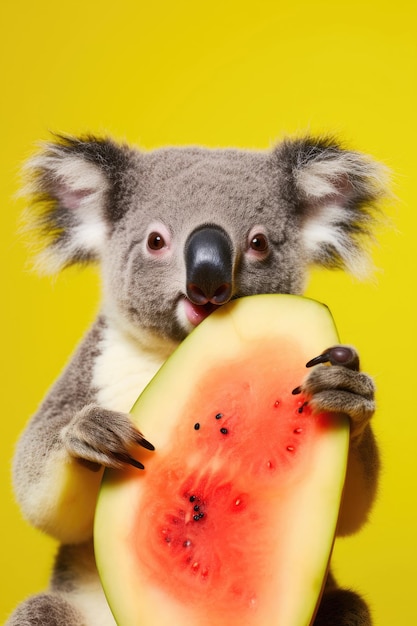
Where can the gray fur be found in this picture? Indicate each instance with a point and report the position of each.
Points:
(337, 390)
(46, 608)
(96, 201)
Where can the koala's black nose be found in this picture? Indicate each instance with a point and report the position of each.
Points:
(209, 265)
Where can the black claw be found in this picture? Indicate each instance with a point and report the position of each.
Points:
(338, 355)
(136, 463)
(322, 358)
(145, 443)
(126, 458)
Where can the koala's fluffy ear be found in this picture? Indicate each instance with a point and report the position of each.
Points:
(73, 185)
(335, 193)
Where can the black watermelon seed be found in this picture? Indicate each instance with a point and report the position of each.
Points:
(196, 508)
(196, 517)
(192, 498)
(196, 426)
(224, 431)
(219, 416)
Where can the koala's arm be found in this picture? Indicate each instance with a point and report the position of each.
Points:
(344, 389)
(361, 483)
(60, 457)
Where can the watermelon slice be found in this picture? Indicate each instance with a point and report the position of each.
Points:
(233, 520)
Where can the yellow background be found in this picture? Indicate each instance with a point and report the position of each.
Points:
(221, 74)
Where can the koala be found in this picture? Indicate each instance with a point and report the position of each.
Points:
(178, 232)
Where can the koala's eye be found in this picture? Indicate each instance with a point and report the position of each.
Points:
(258, 242)
(156, 241)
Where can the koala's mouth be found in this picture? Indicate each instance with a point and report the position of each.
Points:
(196, 313)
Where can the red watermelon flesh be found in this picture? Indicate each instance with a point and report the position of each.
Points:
(232, 522)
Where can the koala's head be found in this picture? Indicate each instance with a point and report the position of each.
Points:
(180, 231)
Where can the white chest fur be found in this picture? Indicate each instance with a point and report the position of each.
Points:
(123, 369)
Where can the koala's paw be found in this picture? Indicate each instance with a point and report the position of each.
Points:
(344, 608)
(96, 436)
(340, 387)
